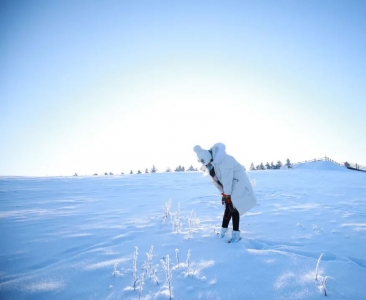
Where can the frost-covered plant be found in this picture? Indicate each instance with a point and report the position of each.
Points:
(317, 228)
(115, 269)
(190, 271)
(134, 268)
(324, 281)
(188, 261)
(317, 266)
(166, 208)
(142, 276)
(147, 263)
(175, 221)
(168, 274)
(177, 257)
(193, 221)
(153, 273)
(300, 225)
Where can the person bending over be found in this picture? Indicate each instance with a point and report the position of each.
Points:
(233, 183)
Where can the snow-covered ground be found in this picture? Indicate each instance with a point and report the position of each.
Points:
(80, 237)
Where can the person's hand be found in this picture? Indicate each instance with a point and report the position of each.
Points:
(227, 200)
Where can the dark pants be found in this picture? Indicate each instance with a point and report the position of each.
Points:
(227, 216)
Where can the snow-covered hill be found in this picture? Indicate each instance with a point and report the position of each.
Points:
(80, 237)
(320, 165)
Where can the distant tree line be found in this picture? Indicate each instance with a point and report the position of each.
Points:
(153, 170)
(177, 169)
(261, 166)
(271, 166)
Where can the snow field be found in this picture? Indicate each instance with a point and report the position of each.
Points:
(94, 237)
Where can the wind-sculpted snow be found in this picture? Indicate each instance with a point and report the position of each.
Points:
(79, 237)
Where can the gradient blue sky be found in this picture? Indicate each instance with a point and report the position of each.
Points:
(110, 86)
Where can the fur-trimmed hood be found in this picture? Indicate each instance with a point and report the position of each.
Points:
(218, 153)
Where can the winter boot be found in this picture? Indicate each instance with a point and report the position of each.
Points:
(235, 237)
(222, 233)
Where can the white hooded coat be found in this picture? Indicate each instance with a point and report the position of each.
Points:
(234, 179)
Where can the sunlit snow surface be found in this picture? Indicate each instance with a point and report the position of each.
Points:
(75, 237)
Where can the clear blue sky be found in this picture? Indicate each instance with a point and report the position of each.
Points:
(110, 86)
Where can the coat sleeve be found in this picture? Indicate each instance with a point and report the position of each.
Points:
(227, 176)
(217, 185)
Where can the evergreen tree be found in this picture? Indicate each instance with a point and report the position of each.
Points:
(273, 166)
(278, 165)
(252, 168)
(146, 171)
(178, 169)
(268, 166)
(262, 166)
(131, 172)
(288, 163)
(168, 170)
(191, 168)
(153, 169)
(138, 172)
